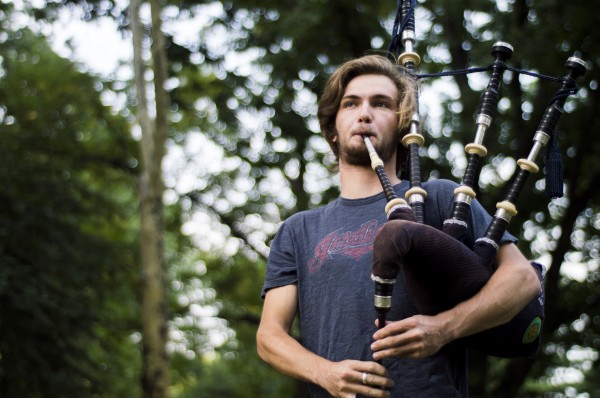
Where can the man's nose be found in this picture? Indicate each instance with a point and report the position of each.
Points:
(365, 115)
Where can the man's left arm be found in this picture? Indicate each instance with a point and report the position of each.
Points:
(507, 292)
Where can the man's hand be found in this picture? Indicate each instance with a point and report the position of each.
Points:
(347, 378)
(419, 336)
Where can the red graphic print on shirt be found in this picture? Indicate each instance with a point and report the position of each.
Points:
(353, 244)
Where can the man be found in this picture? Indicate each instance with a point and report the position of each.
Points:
(320, 264)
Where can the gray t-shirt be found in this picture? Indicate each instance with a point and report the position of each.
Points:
(327, 252)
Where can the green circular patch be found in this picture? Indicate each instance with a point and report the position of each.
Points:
(533, 331)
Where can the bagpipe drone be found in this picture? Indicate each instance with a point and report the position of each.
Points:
(405, 243)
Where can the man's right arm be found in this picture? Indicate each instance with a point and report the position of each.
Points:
(276, 347)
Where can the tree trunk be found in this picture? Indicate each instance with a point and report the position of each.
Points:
(155, 362)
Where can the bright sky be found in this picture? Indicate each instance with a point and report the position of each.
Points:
(101, 47)
(96, 44)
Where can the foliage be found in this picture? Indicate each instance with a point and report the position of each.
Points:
(66, 233)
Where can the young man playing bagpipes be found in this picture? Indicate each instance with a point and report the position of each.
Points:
(320, 263)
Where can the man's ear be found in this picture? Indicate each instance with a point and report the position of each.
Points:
(334, 138)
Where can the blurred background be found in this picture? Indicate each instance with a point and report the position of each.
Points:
(149, 151)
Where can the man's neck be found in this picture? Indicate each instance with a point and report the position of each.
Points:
(362, 181)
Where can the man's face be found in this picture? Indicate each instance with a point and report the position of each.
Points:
(368, 107)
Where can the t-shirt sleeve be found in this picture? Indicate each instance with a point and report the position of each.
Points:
(281, 263)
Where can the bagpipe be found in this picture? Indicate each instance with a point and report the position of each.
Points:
(461, 268)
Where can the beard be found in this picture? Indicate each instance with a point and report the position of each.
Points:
(358, 155)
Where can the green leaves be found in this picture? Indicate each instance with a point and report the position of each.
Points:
(65, 229)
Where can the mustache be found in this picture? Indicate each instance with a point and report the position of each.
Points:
(365, 133)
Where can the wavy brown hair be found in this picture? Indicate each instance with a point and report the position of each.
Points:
(367, 65)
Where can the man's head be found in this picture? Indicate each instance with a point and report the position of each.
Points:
(329, 104)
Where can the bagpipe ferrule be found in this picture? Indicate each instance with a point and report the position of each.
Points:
(528, 165)
(505, 210)
(456, 222)
(484, 119)
(413, 138)
(416, 194)
(465, 193)
(408, 35)
(409, 58)
(480, 133)
(579, 65)
(382, 301)
(463, 198)
(539, 141)
(476, 149)
(489, 242)
(541, 137)
(394, 204)
(415, 120)
(375, 160)
(384, 281)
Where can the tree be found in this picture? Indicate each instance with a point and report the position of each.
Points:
(155, 370)
(67, 271)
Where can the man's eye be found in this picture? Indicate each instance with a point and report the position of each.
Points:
(348, 104)
(382, 105)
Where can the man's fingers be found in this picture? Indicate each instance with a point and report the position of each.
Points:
(394, 328)
(371, 368)
(376, 380)
(408, 351)
(395, 339)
